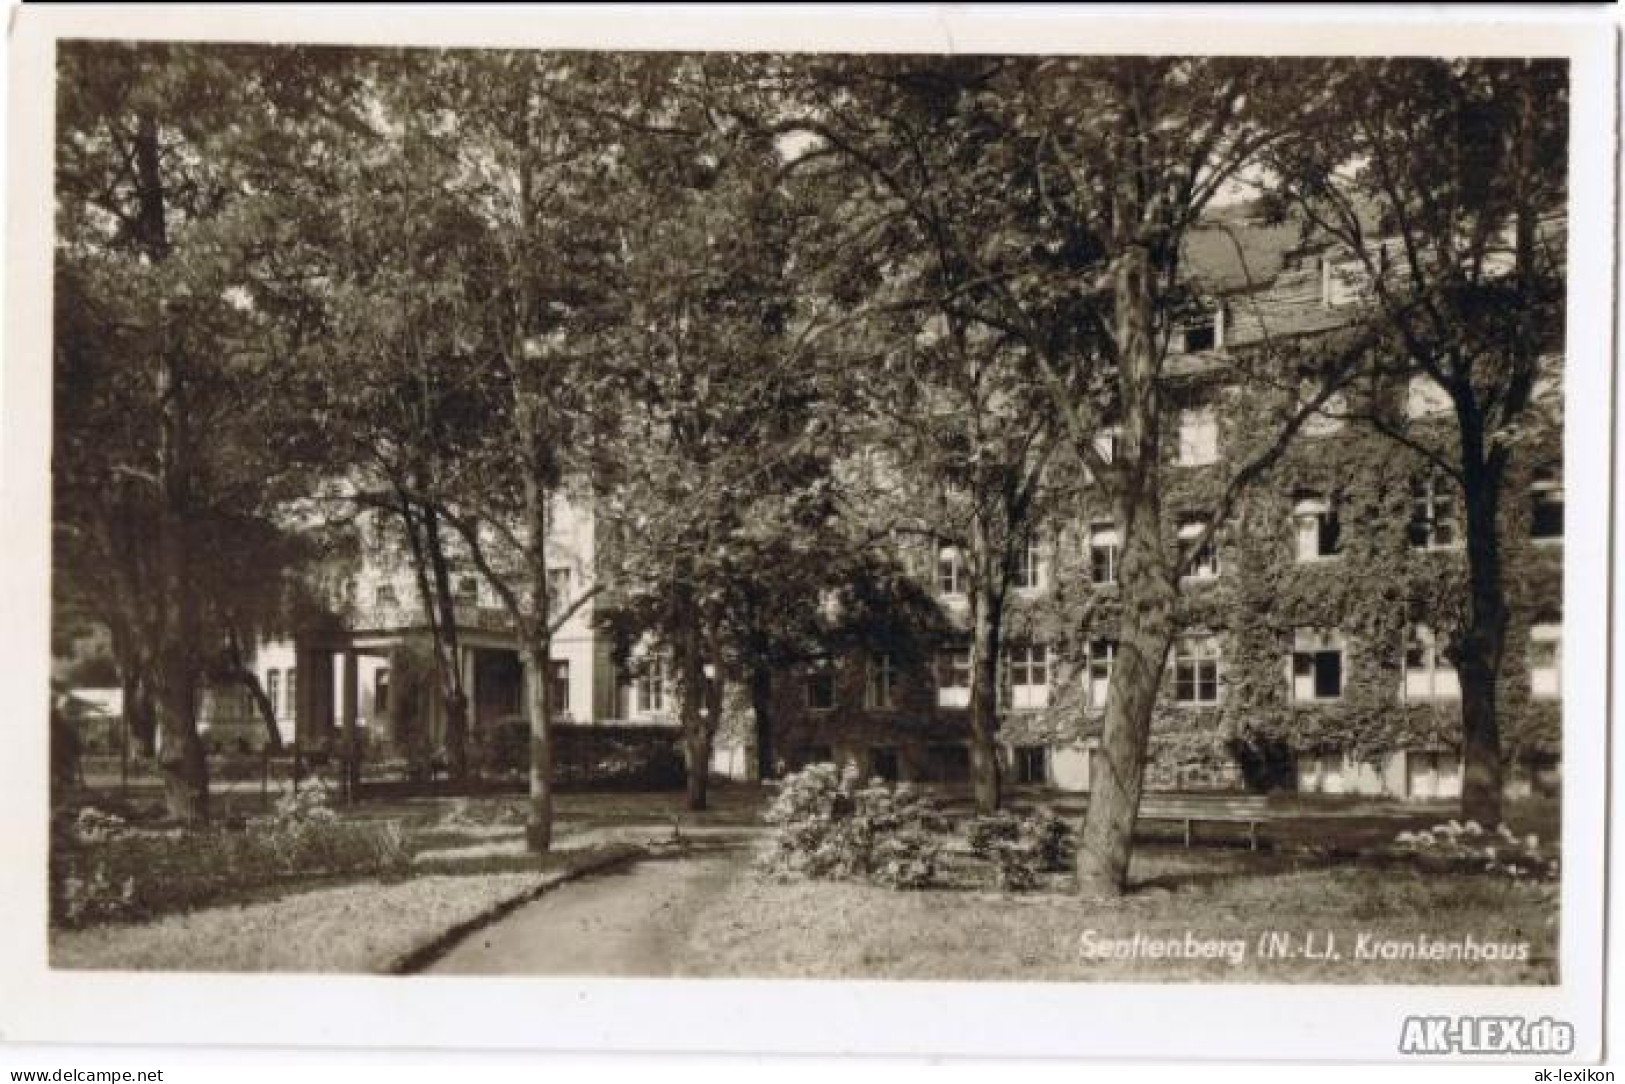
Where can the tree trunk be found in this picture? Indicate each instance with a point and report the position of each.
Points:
(761, 706)
(538, 634)
(182, 763)
(262, 704)
(434, 586)
(987, 620)
(1145, 634)
(1483, 642)
(181, 759)
(539, 710)
(454, 699)
(1147, 589)
(691, 694)
(697, 757)
(238, 670)
(140, 716)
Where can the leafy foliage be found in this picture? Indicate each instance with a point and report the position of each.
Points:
(1470, 847)
(832, 826)
(1020, 848)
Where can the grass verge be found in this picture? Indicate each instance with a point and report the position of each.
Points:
(365, 927)
(846, 930)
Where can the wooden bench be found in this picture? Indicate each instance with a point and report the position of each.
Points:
(1190, 809)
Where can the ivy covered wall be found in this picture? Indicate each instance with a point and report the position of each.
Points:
(1372, 591)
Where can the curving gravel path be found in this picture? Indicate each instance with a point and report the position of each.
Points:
(630, 921)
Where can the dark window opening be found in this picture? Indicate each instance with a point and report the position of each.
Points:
(821, 691)
(1031, 764)
(883, 763)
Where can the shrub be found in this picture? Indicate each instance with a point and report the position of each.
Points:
(1020, 848)
(102, 869)
(831, 827)
(1471, 848)
(1057, 844)
(907, 859)
(501, 748)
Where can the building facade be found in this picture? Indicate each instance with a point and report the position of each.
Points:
(1310, 659)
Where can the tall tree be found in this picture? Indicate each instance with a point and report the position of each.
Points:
(168, 343)
(404, 405)
(723, 443)
(1085, 174)
(531, 168)
(1443, 184)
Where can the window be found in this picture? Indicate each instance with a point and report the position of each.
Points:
(881, 690)
(1196, 670)
(821, 690)
(1031, 764)
(829, 604)
(1317, 665)
(1546, 505)
(1205, 564)
(1347, 281)
(468, 590)
(1029, 676)
(1428, 674)
(1198, 437)
(1102, 653)
(290, 687)
(883, 763)
(1546, 661)
(383, 596)
(953, 679)
(380, 693)
(1106, 444)
(273, 692)
(950, 571)
(652, 689)
(1103, 553)
(1433, 523)
(558, 686)
(1030, 567)
(1317, 531)
(1198, 336)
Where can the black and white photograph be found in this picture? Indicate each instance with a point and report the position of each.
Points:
(938, 517)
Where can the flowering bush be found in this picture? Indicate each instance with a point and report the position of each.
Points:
(104, 869)
(1020, 848)
(832, 826)
(1471, 847)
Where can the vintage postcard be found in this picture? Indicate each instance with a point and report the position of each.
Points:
(921, 532)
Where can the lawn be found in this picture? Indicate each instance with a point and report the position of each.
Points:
(1316, 895)
(367, 926)
(1220, 898)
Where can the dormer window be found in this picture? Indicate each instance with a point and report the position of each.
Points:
(1546, 505)
(1202, 332)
